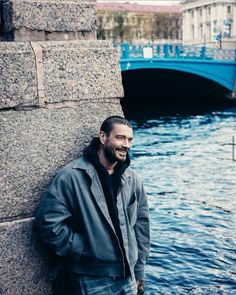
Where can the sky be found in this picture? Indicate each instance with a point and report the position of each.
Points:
(147, 2)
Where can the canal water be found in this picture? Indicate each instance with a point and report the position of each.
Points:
(186, 163)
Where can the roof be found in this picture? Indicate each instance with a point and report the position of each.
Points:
(134, 7)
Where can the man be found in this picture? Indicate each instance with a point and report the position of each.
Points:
(95, 218)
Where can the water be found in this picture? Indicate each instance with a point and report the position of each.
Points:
(189, 175)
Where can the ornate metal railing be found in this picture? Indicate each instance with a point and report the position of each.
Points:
(168, 51)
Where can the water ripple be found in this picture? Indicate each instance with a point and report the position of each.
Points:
(189, 175)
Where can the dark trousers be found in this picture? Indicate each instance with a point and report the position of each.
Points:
(64, 285)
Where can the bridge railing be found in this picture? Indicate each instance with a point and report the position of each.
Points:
(168, 51)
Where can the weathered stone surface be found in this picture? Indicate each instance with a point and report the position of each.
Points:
(53, 98)
(26, 20)
(18, 83)
(71, 71)
(28, 35)
(34, 144)
(23, 264)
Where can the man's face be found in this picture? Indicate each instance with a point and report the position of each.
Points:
(118, 143)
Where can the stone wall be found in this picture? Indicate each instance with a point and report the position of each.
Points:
(53, 97)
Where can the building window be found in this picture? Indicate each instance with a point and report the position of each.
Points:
(209, 10)
(215, 29)
(227, 31)
(200, 12)
(228, 9)
(201, 31)
(230, 28)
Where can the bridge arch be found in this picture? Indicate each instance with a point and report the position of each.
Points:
(153, 89)
(222, 72)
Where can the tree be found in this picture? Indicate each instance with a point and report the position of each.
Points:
(119, 28)
(167, 26)
(101, 28)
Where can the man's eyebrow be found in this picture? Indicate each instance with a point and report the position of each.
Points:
(123, 135)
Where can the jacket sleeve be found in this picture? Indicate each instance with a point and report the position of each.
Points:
(142, 231)
(52, 223)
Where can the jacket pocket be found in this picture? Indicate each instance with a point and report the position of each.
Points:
(132, 212)
(77, 246)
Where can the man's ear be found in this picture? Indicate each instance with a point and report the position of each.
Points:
(102, 137)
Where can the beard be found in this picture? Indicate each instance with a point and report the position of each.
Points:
(111, 155)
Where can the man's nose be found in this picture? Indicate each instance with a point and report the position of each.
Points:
(126, 143)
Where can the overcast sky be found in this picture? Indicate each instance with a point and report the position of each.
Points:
(153, 2)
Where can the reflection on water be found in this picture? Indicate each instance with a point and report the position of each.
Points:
(187, 167)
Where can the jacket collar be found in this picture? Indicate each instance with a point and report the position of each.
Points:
(83, 164)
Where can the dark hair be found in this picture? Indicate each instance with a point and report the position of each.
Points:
(107, 125)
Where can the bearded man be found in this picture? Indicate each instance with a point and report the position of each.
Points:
(94, 217)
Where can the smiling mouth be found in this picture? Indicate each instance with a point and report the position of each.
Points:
(122, 152)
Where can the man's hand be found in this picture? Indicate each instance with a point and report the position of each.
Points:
(140, 287)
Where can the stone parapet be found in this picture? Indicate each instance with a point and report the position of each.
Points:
(41, 73)
(54, 96)
(40, 20)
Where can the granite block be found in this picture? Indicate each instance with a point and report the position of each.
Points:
(18, 83)
(24, 264)
(25, 20)
(35, 144)
(75, 72)
(57, 72)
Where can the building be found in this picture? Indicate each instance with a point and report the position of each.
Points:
(209, 22)
(132, 22)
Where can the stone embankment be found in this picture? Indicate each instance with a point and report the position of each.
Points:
(58, 83)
